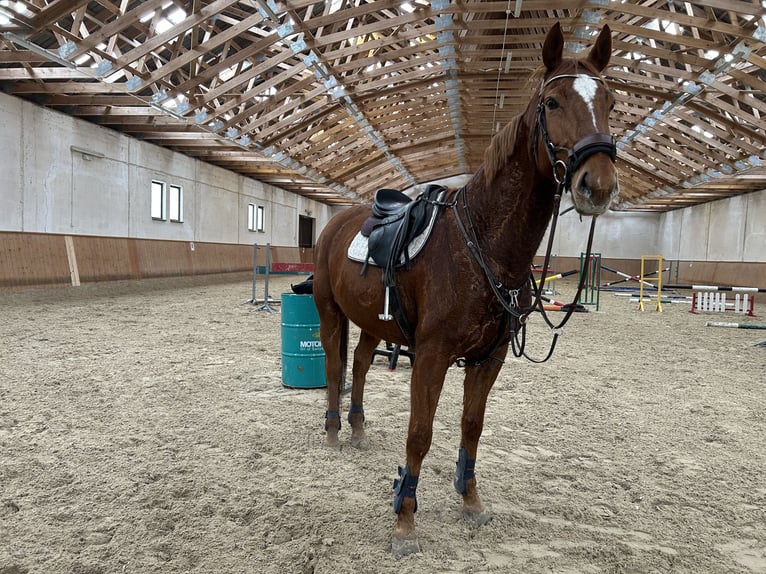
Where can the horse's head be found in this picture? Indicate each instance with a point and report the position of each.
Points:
(573, 142)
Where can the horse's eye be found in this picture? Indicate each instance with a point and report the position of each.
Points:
(551, 103)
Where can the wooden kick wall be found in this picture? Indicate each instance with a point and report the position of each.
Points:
(38, 259)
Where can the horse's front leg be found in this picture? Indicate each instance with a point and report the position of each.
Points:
(362, 355)
(425, 387)
(478, 382)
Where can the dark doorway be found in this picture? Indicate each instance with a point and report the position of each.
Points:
(305, 231)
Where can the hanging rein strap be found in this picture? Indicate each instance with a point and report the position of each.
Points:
(507, 298)
(518, 346)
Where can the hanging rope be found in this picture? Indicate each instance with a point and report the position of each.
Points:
(500, 67)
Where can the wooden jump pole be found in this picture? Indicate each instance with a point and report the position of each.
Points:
(557, 276)
(629, 277)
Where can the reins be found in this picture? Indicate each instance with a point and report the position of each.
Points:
(518, 346)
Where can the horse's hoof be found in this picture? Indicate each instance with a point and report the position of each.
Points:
(331, 443)
(401, 547)
(477, 518)
(360, 442)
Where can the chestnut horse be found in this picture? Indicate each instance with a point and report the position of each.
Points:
(491, 233)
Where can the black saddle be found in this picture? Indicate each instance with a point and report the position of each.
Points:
(389, 202)
(395, 221)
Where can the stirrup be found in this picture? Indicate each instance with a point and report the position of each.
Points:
(385, 315)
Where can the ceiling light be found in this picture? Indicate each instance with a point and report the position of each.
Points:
(159, 96)
(24, 43)
(163, 25)
(103, 68)
(133, 83)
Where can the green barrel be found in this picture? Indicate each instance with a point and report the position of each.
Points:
(302, 352)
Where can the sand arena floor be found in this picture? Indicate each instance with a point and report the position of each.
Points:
(144, 428)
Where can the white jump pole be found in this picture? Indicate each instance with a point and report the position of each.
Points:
(736, 325)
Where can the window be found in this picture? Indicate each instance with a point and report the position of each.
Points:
(176, 200)
(159, 202)
(251, 217)
(255, 217)
(167, 202)
(259, 218)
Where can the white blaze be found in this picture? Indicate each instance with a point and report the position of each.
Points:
(586, 87)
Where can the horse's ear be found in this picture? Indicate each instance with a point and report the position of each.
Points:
(602, 50)
(553, 48)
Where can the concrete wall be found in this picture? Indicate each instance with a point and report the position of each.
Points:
(48, 186)
(725, 230)
(617, 235)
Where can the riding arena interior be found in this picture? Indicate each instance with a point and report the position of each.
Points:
(348, 286)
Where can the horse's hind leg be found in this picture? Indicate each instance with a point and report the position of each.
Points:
(362, 356)
(478, 382)
(333, 332)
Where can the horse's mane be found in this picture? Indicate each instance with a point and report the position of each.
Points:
(503, 143)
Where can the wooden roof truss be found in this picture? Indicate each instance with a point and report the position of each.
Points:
(333, 100)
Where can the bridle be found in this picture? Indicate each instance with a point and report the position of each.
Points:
(562, 174)
(579, 152)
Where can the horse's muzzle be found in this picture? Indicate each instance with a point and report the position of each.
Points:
(595, 185)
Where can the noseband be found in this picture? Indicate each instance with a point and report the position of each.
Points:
(577, 154)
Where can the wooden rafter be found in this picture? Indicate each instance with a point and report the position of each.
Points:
(332, 101)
